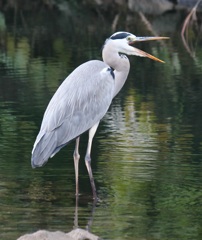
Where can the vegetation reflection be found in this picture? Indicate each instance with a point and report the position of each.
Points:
(147, 153)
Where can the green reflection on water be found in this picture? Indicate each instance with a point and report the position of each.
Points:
(146, 153)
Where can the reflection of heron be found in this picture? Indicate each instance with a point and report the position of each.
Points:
(83, 99)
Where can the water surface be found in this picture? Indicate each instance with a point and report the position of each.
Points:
(146, 155)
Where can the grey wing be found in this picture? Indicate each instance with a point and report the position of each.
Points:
(80, 102)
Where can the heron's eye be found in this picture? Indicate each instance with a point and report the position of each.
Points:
(129, 39)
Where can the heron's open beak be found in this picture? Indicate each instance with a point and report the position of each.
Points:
(141, 53)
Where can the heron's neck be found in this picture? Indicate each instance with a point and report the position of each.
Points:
(120, 79)
(120, 64)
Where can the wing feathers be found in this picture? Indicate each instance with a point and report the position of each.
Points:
(80, 102)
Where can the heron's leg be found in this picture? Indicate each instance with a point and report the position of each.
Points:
(92, 132)
(76, 164)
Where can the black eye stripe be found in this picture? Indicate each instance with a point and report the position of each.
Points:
(120, 35)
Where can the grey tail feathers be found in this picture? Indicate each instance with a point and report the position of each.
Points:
(44, 149)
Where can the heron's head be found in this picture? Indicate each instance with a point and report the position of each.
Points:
(123, 42)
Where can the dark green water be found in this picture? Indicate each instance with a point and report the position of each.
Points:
(147, 152)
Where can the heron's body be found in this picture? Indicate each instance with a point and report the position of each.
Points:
(82, 100)
(76, 106)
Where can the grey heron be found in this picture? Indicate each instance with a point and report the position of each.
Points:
(83, 99)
